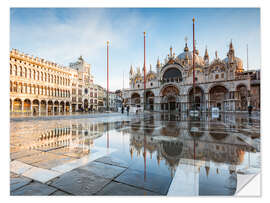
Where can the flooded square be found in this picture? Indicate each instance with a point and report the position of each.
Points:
(146, 154)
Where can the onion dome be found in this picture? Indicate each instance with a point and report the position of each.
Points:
(187, 56)
(231, 58)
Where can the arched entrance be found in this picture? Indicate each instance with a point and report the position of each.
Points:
(218, 96)
(67, 106)
(17, 105)
(196, 100)
(50, 106)
(27, 105)
(62, 106)
(35, 106)
(56, 107)
(150, 100)
(135, 99)
(242, 97)
(85, 105)
(43, 106)
(169, 98)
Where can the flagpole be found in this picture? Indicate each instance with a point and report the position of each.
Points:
(193, 20)
(107, 75)
(144, 73)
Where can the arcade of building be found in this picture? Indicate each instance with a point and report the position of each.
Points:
(37, 85)
(220, 83)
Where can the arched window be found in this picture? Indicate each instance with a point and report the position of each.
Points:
(10, 70)
(173, 75)
(25, 72)
(20, 71)
(30, 75)
(16, 70)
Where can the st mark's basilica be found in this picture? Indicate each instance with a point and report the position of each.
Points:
(221, 83)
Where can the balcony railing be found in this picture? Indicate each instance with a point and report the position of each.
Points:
(169, 80)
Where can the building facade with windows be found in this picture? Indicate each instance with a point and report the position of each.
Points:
(220, 83)
(41, 86)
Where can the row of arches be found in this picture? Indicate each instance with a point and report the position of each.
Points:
(25, 88)
(37, 106)
(29, 73)
(218, 96)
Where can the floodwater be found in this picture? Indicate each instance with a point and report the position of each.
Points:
(197, 156)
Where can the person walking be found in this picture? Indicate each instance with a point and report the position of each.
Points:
(122, 109)
(127, 110)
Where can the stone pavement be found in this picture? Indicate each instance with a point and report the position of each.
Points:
(59, 158)
(104, 176)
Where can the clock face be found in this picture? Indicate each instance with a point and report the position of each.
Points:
(85, 90)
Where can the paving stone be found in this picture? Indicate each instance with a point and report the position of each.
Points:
(34, 189)
(80, 182)
(112, 161)
(103, 170)
(120, 189)
(42, 156)
(40, 174)
(17, 182)
(60, 193)
(156, 183)
(48, 164)
(19, 167)
(22, 153)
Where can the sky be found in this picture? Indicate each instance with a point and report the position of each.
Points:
(61, 35)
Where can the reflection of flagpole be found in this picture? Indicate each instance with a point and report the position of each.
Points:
(108, 137)
(144, 157)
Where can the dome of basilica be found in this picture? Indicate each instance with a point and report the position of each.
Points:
(238, 61)
(189, 56)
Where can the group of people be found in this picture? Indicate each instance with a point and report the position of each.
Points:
(123, 108)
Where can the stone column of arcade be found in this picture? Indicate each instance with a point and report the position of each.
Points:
(47, 108)
(22, 109)
(64, 109)
(39, 105)
(31, 108)
(52, 110)
(70, 108)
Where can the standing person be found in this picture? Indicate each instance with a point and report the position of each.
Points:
(249, 109)
(122, 109)
(127, 110)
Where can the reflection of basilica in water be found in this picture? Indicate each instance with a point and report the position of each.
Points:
(184, 142)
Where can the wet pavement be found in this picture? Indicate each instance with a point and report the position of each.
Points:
(146, 154)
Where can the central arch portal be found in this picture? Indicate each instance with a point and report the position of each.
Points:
(170, 98)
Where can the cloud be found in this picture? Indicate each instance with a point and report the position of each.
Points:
(63, 37)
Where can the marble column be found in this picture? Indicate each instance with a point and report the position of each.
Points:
(22, 106)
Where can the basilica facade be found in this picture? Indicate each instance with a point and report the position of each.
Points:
(220, 83)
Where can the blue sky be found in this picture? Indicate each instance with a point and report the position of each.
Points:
(62, 35)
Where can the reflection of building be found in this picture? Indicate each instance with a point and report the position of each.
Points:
(219, 83)
(190, 141)
(37, 85)
(66, 134)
